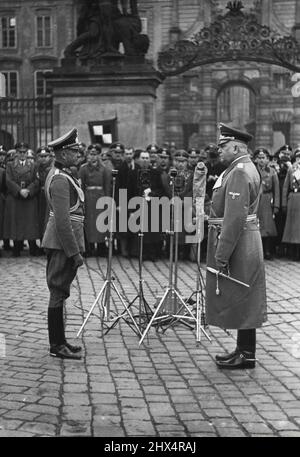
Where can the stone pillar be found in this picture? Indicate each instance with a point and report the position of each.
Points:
(264, 122)
(295, 126)
(124, 91)
(296, 28)
(208, 125)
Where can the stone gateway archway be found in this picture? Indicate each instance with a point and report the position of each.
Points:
(234, 48)
(233, 37)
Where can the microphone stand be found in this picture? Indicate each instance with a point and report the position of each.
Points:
(144, 310)
(165, 310)
(105, 292)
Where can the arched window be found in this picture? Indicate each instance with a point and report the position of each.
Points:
(236, 105)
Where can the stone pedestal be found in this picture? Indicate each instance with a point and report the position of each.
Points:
(116, 88)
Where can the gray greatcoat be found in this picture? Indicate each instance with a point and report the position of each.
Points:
(236, 241)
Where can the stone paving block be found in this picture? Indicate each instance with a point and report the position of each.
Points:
(139, 428)
(75, 429)
(160, 409)
(108, 431)
(38, 428)
(257, 427)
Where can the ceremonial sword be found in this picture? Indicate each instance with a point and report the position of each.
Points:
(218, 273)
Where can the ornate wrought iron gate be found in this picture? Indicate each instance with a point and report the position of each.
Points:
(26, 119)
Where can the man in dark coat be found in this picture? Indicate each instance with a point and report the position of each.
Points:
(63, 240)
(43, 166)
(21, 207)
(235, 251)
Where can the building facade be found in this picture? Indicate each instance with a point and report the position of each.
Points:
(254, 95)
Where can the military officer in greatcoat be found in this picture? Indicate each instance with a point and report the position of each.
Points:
(43, 166)
(21, 208)
(291, 207)
(63, 239)
(2, 190)
(269, 201)
(235, 251)
(96, 183)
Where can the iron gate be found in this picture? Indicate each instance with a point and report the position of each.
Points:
(26, 119)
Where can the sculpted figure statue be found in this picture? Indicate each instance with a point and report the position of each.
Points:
(102, 26)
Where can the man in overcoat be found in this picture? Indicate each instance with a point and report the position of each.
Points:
(63, 239)
(235, 250)
(21, 206)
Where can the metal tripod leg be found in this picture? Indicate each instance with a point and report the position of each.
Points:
(92, 307)
(168, 290)
(126, 311)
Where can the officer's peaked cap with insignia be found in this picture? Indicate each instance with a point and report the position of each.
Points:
(263, 150)
(2, 150)
(297, 150)
(117, 147)
(228, 133)
(67, 141)
(21, 146)
(181, 155)
(164, 152)
(152, 148)
(43, 151)
(193, 152)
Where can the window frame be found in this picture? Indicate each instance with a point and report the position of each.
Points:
(43, 30)
(46, 70)
(7, 73)
(8, 17)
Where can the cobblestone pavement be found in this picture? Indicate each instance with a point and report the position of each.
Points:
(168, 387)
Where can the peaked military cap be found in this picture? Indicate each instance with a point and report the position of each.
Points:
(263, 150)
(232, 134)
(152, 148)
(43, 151)
(164, 152)
(181, 155)
(297, 150)
(117, 147)
(22, 146)
(67, 141)
(193, 152)
(2, 150)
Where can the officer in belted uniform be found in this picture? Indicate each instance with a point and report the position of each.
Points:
(63, 240)
(291, 207)
(234, 250)
(269, 201)
(43, 165)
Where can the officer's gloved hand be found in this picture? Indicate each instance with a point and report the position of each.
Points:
(78, 260)
(222, 267)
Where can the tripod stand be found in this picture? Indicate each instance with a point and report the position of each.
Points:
(168, 303)
(199, 189)
(144, 310)
(105, 292)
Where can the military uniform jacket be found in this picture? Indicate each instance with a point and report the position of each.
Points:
(270, 199)
(21, 214)
(234, 240)
(64, 229)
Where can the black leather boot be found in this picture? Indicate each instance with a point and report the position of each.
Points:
(239, 361)
(223, 357)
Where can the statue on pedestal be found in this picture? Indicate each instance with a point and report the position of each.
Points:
(102, 27)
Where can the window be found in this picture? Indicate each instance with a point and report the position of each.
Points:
(8, 35)
(236, 104)
(43, 31)
(11, 83)
(42, 89)
(281, 81)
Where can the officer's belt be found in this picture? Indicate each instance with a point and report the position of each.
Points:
(219, 220)
(94, 187)
(73, 217)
